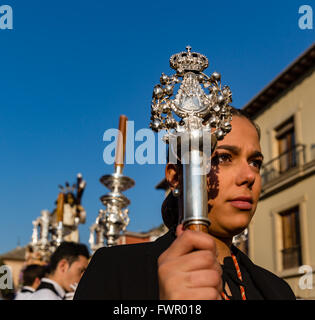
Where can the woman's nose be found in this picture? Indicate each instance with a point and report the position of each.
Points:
(245, 174)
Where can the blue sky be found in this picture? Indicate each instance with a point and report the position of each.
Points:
(68, 69)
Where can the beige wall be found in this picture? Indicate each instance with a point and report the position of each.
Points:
(16, 267)
(265, 230)
(265, 224)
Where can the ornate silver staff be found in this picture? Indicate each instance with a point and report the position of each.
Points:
(202, 120)
(114, 219)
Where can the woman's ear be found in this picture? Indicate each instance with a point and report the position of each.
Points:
(172, 175)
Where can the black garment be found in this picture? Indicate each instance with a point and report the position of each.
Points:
(50, 286)
(129, 272)
(23, 290)
(230, 277)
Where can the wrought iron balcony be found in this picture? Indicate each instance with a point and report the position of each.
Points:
(284, 163)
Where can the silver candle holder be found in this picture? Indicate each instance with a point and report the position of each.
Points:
(41, 238)
(113, 220)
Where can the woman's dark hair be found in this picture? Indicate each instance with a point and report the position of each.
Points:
(170, 206)
(69, 251)
(244, 114)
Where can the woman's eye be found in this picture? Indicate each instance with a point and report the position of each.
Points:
(257, 163)
(224, 157)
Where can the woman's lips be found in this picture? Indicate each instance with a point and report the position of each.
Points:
(241, 204)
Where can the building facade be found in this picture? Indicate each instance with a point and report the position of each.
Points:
(15, 260)
(130, 237)
(282, 232)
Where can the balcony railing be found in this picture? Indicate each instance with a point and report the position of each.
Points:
(285, 162)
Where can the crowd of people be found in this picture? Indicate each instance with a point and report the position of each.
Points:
(58, 279)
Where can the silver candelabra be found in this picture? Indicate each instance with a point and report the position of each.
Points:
(41, 241)
(113, 220)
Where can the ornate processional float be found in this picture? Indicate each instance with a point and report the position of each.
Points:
(113, 220)
(50, 229)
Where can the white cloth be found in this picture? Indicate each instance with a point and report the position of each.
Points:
(24, 295)
(69, 215)
(46, 294)
(70, 295)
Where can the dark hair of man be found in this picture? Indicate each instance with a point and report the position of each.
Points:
(69, 251)
(31, 272)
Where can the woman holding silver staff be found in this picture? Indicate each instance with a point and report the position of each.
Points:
(186, 264)
(207, 266)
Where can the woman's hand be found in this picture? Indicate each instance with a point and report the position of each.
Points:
(188, 269)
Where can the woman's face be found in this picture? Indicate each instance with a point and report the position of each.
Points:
(234, 182)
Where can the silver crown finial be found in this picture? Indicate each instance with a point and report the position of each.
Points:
(188, 61)
(199, 96)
